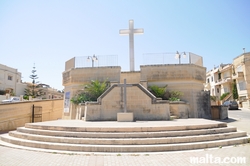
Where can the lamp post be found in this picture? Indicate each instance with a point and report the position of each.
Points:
(178, 55)
(93, 58)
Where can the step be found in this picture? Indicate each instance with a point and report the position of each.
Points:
(126, 127)
(126, 134)
(124, 148)
(128, 141)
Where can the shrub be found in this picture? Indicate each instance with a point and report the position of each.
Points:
(158, 91)
(91, 92)
(224, 95)
(175, 95)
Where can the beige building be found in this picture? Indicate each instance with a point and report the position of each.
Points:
(219, 81)
(10, 80)
(241, 73)
(186, 78)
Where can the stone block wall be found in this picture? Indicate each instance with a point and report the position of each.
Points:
(186, 78)
(180, 109)
(13, 115)
(141, 102)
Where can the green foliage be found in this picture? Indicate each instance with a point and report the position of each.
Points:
(25, 97)
(95, 89)
(235, 91)
(91, 92)
(175, 95)
(34, 91)
(158, 91)
(80, 98)
(213, 98)
(224, 95)
(2, 92)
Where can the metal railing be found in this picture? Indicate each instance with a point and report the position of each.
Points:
(170, 58)
(101, 60)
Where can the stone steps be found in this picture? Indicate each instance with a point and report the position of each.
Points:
(126, 134)
(124, 148)
(125, 137)
(128, 141)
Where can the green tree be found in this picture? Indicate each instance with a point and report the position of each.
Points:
(235, 91)
(34, 77)
(95, 89)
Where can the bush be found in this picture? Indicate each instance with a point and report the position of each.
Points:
(175, 95)
(224, 95)
(158, 91)
(91, 92)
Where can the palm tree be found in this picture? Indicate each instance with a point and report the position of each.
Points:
(95, 89)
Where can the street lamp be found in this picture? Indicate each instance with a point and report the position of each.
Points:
(93, 58)
(177, 55)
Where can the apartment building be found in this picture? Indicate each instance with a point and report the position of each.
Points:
(220, 80)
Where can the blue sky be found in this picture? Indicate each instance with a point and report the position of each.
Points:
(50, 32)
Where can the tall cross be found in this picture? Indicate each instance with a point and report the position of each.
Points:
(131, 31)
(124, 86)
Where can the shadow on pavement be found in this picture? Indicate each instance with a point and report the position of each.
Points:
(229, 120)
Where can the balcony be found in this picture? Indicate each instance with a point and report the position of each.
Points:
(238, 75)
(223, 81)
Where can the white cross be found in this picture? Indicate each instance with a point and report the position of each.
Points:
(131, 31)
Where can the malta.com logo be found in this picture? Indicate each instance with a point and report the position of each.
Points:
(210, 159)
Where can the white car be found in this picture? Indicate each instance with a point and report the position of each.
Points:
(11, 100)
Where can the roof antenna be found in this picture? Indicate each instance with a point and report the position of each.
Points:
(243, 50)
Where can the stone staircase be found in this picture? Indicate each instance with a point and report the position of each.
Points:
(125, 137)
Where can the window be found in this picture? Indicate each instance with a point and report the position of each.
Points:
(208, 80)
(242, 85)
(212, 79)
(10, 78)
(218, 90)
(239, 69)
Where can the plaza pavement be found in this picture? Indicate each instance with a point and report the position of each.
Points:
(18, 157)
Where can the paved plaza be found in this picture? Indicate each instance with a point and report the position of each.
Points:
(14, 156)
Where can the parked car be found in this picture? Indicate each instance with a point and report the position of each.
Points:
(232, 105)
(11, 100)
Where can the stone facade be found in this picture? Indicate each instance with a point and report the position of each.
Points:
(186, 78)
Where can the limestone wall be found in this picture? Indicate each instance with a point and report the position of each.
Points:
(142, 104)
(17, 114)
(186, 78)
(180, 109)
(131, 77)
(85, 75)
(70, 64)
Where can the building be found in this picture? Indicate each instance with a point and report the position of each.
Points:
(10, 81)
(241, 74)
(220, 80)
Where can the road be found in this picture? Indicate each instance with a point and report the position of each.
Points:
(240, 119)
